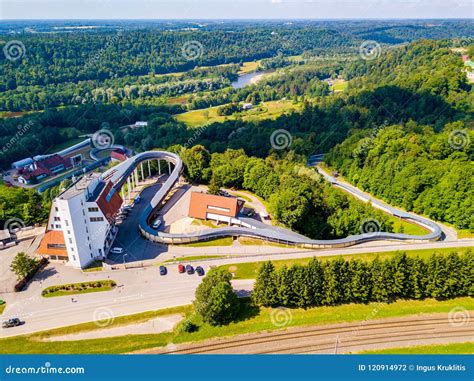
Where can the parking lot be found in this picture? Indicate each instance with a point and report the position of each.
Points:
(136, 248)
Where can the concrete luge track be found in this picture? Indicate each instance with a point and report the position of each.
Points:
(346, 337)
(253, 228)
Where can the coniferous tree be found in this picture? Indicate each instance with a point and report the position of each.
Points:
(379, 288)
(315, 281)
(436, 276)
(467, 273)
(265, 291)
(417, 279)
(285, 292)
(360, 281)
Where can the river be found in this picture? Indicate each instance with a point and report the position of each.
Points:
(248, 79)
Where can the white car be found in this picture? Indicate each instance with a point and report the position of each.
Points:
(156, 225)
(117, 250)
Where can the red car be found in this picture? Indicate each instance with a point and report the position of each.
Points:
(181, 268)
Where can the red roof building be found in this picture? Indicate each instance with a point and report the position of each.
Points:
(109, 202)
(204, 206)
(119, 155)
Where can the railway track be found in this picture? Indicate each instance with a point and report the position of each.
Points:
(324, 339)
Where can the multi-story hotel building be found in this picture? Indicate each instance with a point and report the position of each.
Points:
(81, 223)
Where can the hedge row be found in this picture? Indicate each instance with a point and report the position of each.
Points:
(342, 281)
(78, 287)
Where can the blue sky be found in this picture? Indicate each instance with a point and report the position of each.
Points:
(234, 9)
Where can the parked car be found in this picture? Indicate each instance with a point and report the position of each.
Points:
(189, 269)
(181, 268)
(137, 200)
(156, 224)
(117, 250)
(163, 270)
(199, 270)
(14, 322)
(127, 207)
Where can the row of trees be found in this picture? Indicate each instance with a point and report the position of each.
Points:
(340, 281)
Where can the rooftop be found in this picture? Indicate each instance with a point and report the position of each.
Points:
(79, 186)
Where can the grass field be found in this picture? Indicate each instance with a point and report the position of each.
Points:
(442, 349)
(227, 241)
(265, 110)
(247, 241)
(249, 270)
(249, 67)
(193, 258)
(401, 226)
(253, 320)
(340, 85)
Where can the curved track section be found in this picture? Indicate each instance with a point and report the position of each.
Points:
(252, 228)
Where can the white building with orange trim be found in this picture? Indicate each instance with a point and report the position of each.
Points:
(81, 225)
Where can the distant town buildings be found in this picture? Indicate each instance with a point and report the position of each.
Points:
(41, 167)
(139, 124)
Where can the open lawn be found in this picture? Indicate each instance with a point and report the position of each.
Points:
(339, 85)
(249, 67)
(401, 226)
(249, 270)
(265, 110)
(227, 241)
(253, 319)
(193, 258)
(247, 241)
(442, 349)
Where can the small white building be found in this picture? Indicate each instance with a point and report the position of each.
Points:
(247, 106)
(140, 124)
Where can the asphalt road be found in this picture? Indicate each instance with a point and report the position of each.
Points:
(137, 291)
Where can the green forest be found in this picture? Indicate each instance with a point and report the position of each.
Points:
(402, 130)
